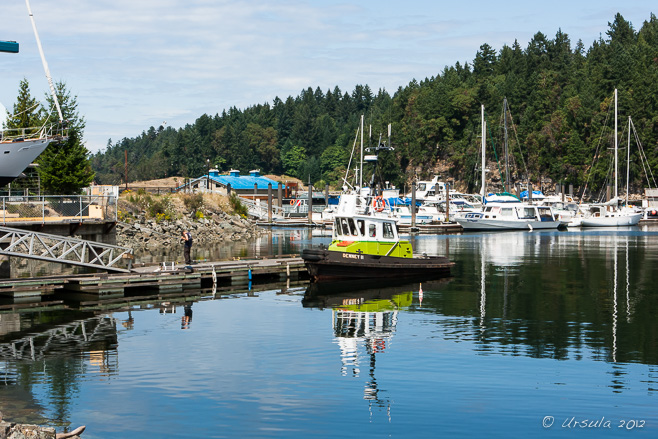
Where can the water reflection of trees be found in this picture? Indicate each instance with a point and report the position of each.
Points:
(561, 296)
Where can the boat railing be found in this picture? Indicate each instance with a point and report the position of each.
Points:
(31, 133)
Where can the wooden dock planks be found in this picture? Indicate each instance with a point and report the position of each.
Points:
(149, 279)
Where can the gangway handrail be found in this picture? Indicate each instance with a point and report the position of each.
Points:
(259, 210)
(63, 249)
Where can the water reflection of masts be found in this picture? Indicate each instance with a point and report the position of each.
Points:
(628, 288)
(483, 293)
(614, 309)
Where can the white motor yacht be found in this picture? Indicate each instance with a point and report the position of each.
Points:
(506, 212)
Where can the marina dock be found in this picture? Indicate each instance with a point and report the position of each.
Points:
(147, 280)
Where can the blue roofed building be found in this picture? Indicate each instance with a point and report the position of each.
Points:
(250, 186)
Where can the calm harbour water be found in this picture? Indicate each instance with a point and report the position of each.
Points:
(532, 335)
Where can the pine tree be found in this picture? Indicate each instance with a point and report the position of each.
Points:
(65, 167)
(26, 112)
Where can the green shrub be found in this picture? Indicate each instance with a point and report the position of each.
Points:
(161, 208)
(237, 205)
(193, 202)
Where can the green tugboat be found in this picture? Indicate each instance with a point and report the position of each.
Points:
(366, 246)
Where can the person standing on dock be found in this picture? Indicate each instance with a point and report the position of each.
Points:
(187, 241)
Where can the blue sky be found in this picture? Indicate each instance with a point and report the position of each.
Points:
(138, 63)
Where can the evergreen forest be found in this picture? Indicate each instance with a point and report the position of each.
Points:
(560, 99)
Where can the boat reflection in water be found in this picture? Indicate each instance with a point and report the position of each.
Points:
(364, 320)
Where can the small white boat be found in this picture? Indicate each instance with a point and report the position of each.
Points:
(510, 217)
(608, 215)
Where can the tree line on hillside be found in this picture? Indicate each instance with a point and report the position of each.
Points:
(559, 94)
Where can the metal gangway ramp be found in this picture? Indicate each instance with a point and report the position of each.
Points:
(63, 249)
(256, 209)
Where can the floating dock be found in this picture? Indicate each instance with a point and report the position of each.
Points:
(151, 279)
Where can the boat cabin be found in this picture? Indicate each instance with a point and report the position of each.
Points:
(602, 210)
(364, 228)
(538, 213)
(368, 235)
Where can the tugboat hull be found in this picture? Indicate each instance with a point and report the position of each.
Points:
(323, 265)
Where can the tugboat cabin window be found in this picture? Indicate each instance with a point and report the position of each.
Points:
(345, 229)
(352, 226)
(362, 227)
(372, 230)
(388, 230)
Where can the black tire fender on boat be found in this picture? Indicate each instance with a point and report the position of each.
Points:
(312, 255)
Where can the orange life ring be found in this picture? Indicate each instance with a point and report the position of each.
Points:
(292, 202)
(378, 204)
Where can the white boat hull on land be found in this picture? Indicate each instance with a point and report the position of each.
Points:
(17, 155)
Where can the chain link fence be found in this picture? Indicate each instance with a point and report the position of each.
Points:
(46, 209)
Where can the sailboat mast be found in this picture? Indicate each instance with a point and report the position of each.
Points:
(628, 159)
(483, 157)
(43, 61)
(506, 147)
(616, 170)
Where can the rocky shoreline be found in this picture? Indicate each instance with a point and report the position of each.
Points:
(13, 430)
(145, 234)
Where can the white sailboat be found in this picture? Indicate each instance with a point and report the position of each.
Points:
(505, 211)
(609, 214)
(19, 147)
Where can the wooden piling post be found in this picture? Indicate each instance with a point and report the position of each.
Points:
(310, 203)
(413, 204)
(530, 193)
(447, 188)
(280, 195)
(269, 203)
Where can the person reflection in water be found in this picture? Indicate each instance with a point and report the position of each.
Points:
(187, 317)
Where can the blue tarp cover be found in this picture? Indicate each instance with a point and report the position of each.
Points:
(524, 194)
